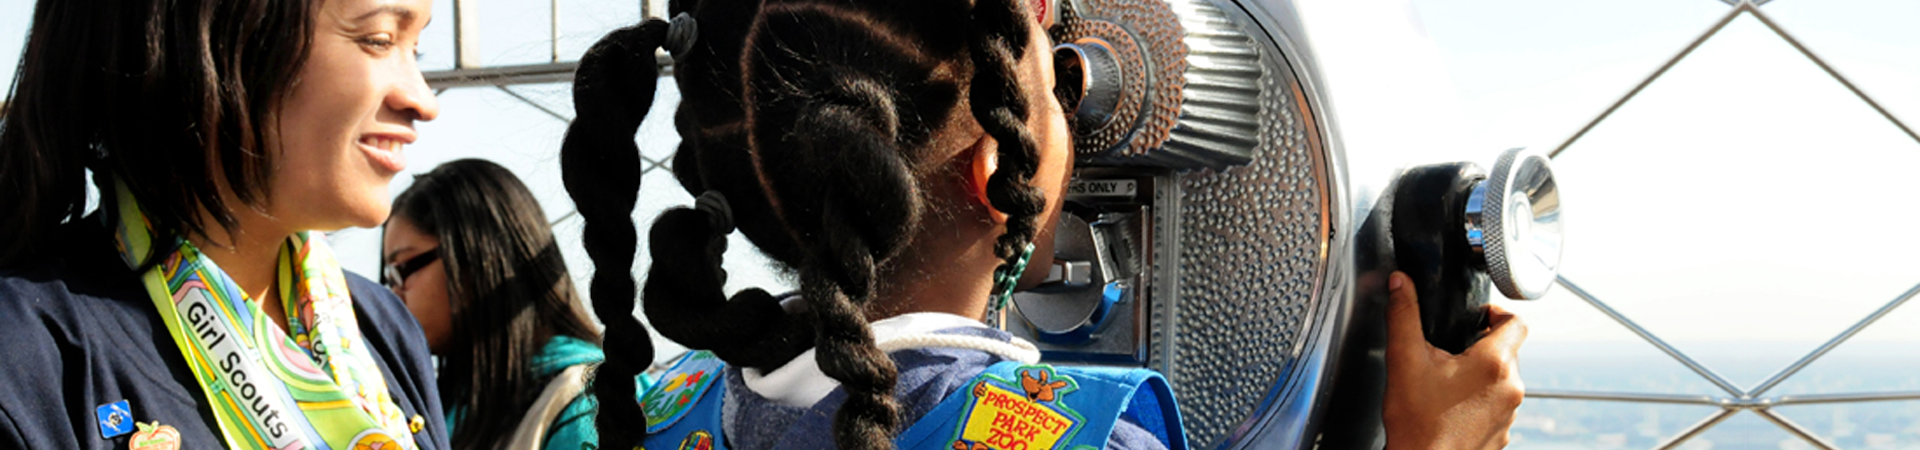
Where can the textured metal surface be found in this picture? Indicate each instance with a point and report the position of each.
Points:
(1190, 88)
(1242, 198)
(1252, 253)
(1149, 75)
(1224, 95)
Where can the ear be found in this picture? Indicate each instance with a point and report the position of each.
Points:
(984, 158)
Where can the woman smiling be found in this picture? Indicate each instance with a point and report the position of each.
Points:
(196, 307)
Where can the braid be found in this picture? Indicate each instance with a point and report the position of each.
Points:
(687, 303)
(815, 125)
(846, 351)
(713, 152)
(844, 348)
(686, 300)
(1000, 106)
(836, 133)
(601, 169)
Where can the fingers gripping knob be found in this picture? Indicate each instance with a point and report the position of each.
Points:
(1456, 229)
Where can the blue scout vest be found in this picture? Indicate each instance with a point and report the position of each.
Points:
(1010, 406)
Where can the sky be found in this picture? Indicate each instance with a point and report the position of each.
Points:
(1744, 203)
(1745, 200)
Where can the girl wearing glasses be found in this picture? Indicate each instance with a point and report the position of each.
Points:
(196, 306)
(470, 252)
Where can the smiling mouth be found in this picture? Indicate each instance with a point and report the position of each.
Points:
(385, 152)
(379, 143)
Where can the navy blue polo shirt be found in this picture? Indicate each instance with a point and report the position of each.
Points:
(78, 331)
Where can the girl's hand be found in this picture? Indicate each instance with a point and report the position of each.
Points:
(1438, 400)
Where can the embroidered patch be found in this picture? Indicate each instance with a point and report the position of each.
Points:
(679, 389)
(698, 440)
(154, 436)
(116, 419)
(1023, 415)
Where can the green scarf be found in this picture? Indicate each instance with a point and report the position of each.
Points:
(317, 389)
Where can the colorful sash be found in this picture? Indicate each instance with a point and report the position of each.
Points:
(318, 389)
(1017, 406)
(1009, 406)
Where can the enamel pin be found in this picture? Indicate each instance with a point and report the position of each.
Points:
(154, 436)
(115, 419)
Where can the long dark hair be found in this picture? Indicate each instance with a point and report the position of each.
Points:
(171, 97)
(507, 287)
(814, 119)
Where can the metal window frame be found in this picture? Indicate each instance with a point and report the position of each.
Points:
(1737, 399)
(469, 72)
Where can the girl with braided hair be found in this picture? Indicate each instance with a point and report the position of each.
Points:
(897, 157)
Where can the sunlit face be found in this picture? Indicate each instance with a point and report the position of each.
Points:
(350, 112)
(425, 290)
(1048, 122)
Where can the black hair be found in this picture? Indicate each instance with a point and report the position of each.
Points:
(171, 97)
(816, 123)
(508, 291)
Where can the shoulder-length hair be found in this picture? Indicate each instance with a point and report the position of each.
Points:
(508, 291)
(171, 97)
(174, 98)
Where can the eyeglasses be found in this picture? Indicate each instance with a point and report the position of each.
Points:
(396, 273)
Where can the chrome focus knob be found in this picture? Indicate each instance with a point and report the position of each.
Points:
(1513, 222)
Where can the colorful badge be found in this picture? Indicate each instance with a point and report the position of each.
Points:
(154, 436)
(698, 440)
(1006, 415)
(679, 389)
(116, 419)
(374, 440)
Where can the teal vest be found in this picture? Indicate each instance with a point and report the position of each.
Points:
(1010, 406)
